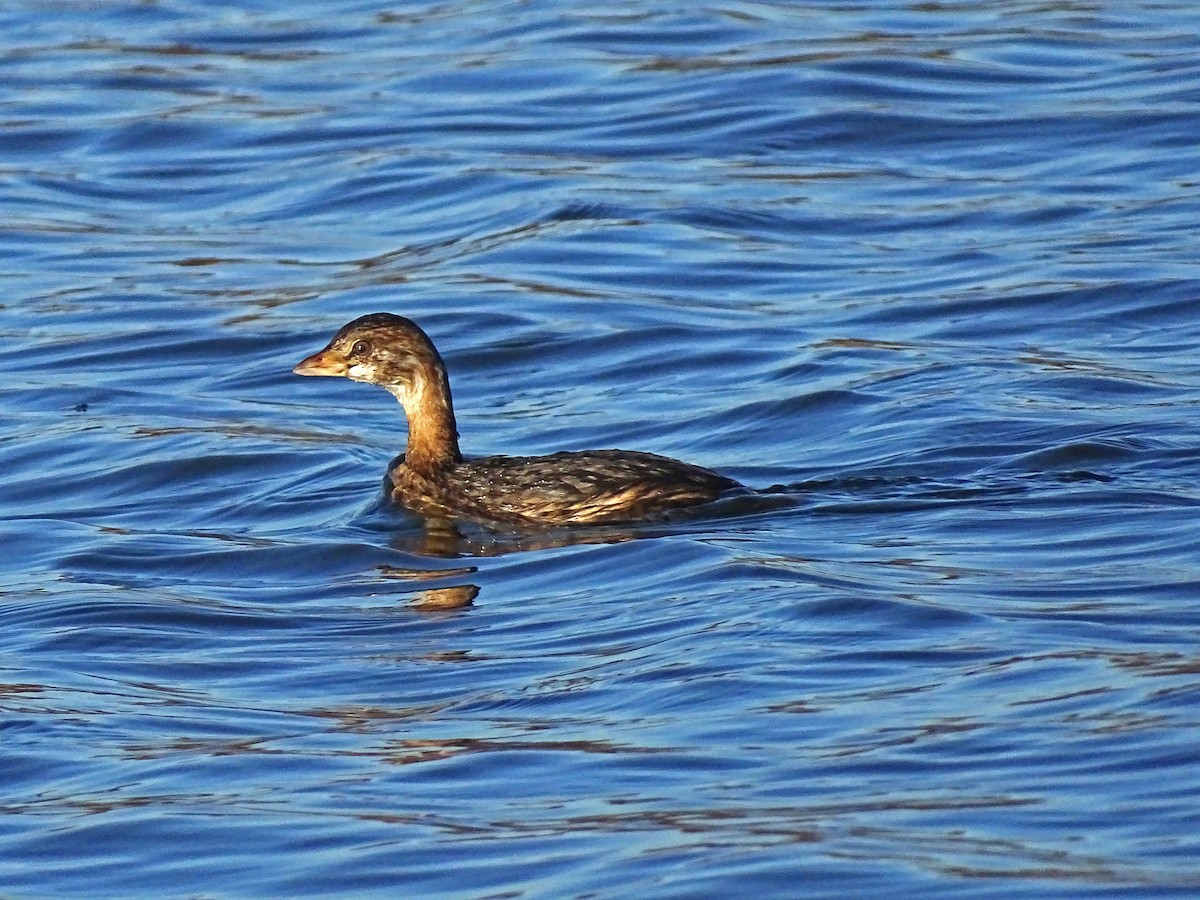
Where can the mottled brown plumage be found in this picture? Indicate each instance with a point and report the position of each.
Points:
(432, 477)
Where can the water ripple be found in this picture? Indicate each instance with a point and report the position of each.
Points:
(920, 276)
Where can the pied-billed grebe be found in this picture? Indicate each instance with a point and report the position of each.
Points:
(432, 478)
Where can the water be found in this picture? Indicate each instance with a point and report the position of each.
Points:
(932, 268)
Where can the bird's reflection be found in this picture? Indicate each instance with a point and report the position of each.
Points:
(447, 539)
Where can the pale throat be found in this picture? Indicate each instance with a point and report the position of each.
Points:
(432, 433)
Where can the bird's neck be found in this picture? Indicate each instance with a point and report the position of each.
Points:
(432, 431)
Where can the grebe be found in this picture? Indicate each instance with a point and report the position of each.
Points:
(588, 487)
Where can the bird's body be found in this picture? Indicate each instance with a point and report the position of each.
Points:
(568, 488)
(588, 487)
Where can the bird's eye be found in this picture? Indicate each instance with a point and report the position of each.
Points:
(360, 348)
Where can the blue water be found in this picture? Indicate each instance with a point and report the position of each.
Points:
(929, 269)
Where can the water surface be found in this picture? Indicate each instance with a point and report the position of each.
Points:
(930, 268)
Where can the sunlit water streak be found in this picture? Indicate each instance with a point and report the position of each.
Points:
(926, 273)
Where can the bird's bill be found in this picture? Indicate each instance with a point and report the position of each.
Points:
(325, 362)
